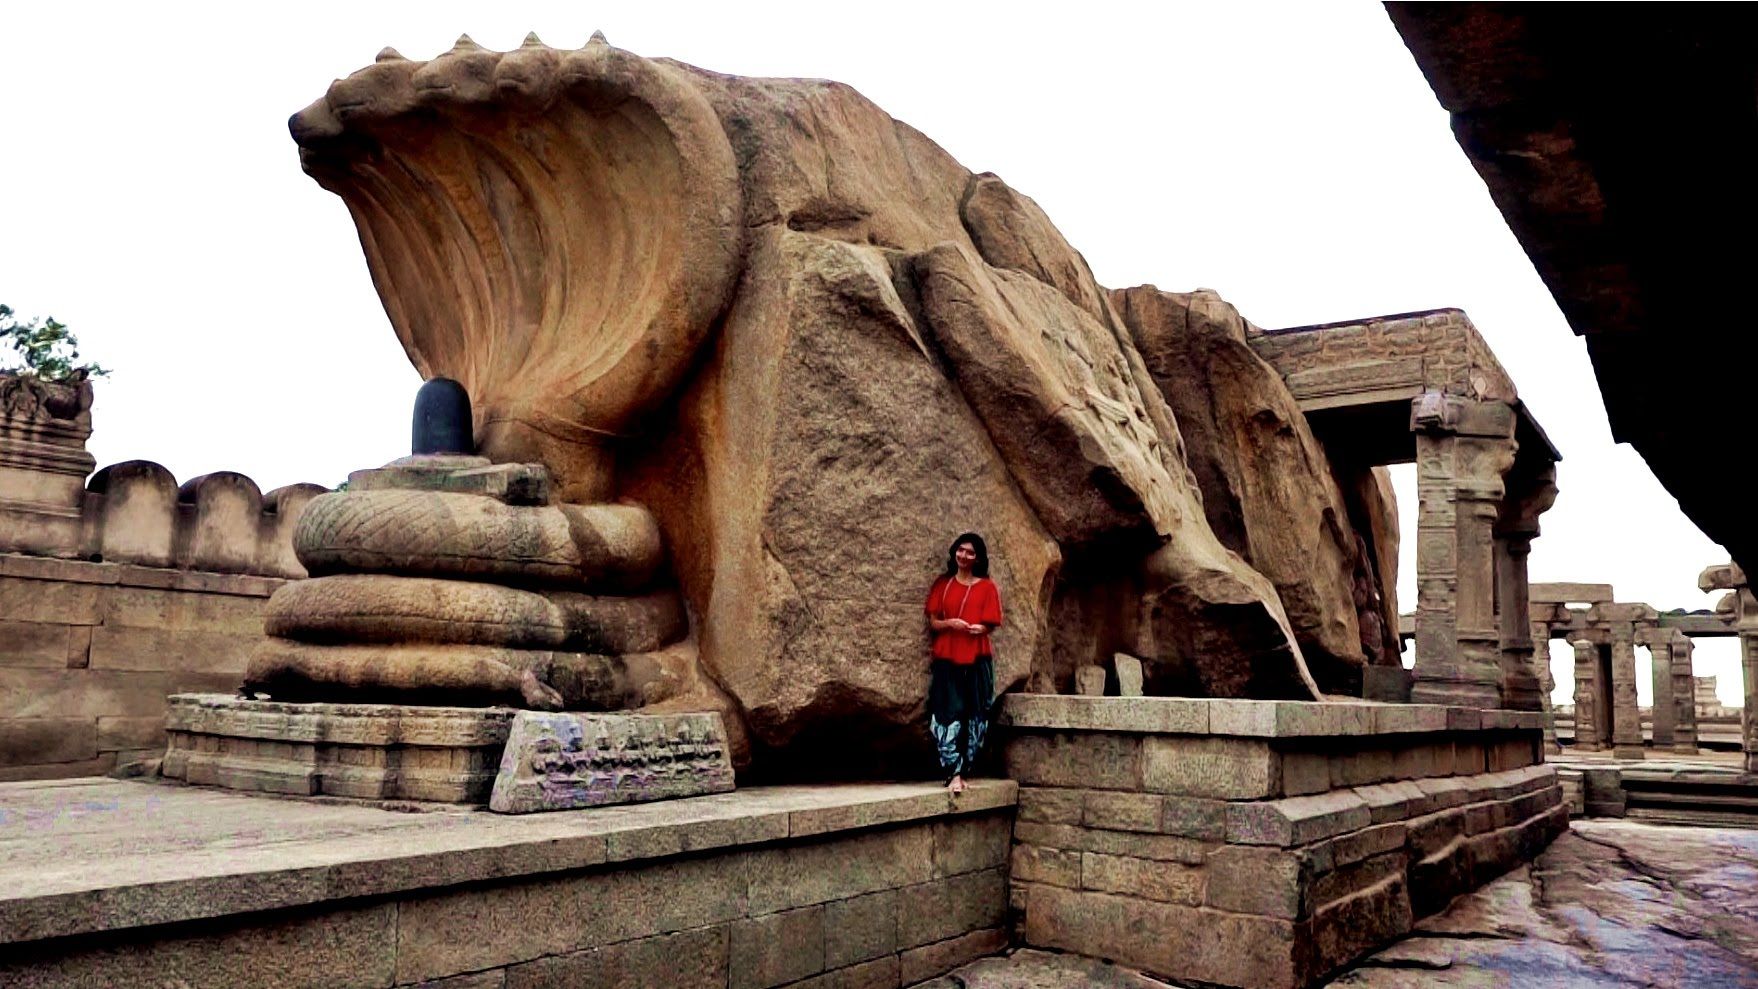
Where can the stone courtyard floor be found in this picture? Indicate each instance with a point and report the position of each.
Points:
(1610, 904)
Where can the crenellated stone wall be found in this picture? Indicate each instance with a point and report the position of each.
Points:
(119, 589)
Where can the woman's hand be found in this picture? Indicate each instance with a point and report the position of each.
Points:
(976, 629)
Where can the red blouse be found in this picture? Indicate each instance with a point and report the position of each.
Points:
(980, 602)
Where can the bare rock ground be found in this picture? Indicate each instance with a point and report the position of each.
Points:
(1609, 904)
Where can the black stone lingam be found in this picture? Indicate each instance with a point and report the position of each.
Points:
(442, 419)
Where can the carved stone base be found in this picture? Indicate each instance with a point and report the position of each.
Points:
(568, 761)
(369, 751)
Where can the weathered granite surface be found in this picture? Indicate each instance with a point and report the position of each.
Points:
(562, 761)
(1609, 904)
(1029, 968)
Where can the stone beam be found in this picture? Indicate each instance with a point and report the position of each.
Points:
(1710, 626)
(1572, 593)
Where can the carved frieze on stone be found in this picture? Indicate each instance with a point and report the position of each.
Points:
(563, 761)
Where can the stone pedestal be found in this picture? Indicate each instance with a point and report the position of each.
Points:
(368, 751)
(1261, 843)
(1463, 448)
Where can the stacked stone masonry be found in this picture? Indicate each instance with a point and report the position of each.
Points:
(1264, 844)
(826, 887)
(90, 651)
(364, 751)
(1438, 350)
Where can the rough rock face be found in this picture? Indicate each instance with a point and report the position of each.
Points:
(816, 348)
(1609, 904)
(1267, 487)
(824, 475)
(1373, 507)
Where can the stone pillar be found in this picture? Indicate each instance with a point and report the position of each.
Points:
(1747, 624)
(1684, 694)
(1659, 643)
(1531, 492)
(1547, 682)
(1729, 577)
(43, 464)
(1588, 730)
(1463, 448)
(1626, 723)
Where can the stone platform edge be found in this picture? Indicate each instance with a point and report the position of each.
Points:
(1253, 719)
(467, 847)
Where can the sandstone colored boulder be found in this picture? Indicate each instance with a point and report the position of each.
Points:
(1011, 231)
(1054, 389)
(825, 475)
(1373, 506)
(815, 348)
(1268, 491)
(585, 311)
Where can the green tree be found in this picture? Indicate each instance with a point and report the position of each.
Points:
(44, 349)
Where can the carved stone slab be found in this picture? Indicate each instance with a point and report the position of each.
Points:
(564, 761)
(366, 751)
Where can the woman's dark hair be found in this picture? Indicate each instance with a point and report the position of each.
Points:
(979, 568)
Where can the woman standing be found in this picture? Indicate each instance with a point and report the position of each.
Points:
(964, 606)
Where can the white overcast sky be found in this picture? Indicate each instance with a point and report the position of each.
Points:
(1290, 156)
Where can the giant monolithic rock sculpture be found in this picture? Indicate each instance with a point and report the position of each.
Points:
(774, 349)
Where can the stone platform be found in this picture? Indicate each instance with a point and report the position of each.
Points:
(1261, 844)
(109, 883)
(367, 751)
(1688, 790)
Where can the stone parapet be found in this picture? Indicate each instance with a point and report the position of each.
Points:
(1257, 843)
(859, 885)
